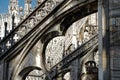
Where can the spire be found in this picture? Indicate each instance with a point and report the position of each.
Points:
(13, 7)
(27, 7)
(14, 10)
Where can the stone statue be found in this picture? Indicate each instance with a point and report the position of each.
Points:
(91, 71)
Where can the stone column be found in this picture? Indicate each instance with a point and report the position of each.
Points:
(75, 66)
(75, 70)
(104, 41)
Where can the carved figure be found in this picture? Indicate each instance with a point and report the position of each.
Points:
(91, 71)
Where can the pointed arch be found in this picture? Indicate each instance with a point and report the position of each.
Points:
(39, 33)
(45, 40)
(27, 70)
(77, 14)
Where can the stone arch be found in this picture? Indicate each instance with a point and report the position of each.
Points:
(82, 9)
(76, 15)
(24, 72)
(82, 28)
(45, 40)
(78, 28)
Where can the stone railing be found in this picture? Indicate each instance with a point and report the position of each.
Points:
(30, 22)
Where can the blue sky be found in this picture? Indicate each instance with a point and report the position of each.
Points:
(4, 5)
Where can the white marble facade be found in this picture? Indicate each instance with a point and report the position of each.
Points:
(59, 47)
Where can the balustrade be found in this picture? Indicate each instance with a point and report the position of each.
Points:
(25, 27)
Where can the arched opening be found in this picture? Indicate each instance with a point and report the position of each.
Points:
(83, 30)
(35, 75)
(45, 40)
(54, 51)
(37, 40)
(32, 73)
